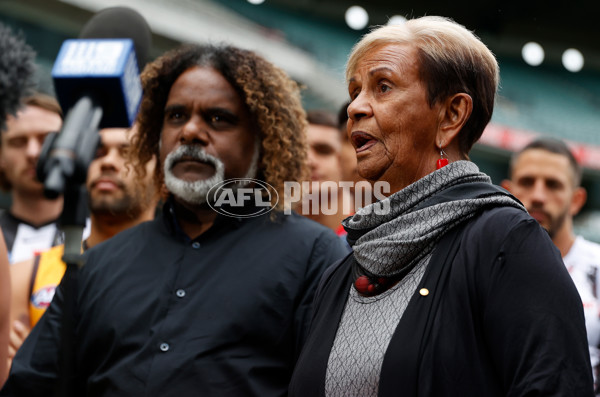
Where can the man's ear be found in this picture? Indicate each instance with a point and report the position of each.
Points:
(506, 184)
(578, 200)
(454, 114)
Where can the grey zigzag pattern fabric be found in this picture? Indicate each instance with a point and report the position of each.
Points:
(365, 331)
(403, 236)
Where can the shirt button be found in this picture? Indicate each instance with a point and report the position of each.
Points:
(180, 293)
(164, 347)
(195, 245)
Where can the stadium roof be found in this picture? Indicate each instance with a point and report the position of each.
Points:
(503, 23)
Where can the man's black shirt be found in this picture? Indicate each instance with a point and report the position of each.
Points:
(158, 314)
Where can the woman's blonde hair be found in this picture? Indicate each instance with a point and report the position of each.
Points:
(452, 60)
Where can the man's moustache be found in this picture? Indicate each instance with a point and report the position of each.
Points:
(191, 153)
(117, 182)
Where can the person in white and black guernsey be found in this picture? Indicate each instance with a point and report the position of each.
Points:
(546, 177)
(29, 225)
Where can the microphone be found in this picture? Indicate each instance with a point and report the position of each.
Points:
(97, 82)
(16, 72)
(122, 91)
(96, 79)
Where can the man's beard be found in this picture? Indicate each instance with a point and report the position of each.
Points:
(27, 185)
(557, 223)
(125, 206)
(130, 205)
(195, 192)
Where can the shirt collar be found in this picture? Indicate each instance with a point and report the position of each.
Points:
(222, 223)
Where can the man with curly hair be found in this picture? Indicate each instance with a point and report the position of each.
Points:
(197, 302)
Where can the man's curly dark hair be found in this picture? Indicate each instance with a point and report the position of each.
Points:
(271, 97)
(17, 69)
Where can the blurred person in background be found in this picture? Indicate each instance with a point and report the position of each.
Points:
(117, 200)
(546, 177)
(208, 303)
(30, 224)
(452, 289)
(334, 203)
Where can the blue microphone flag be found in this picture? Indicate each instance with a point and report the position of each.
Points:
(104, 68)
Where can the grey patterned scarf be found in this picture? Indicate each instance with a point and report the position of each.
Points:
(392, 242)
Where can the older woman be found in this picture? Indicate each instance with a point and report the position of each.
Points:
(452, 289)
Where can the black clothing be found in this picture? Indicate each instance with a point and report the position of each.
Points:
(502, 318)
(158, 314)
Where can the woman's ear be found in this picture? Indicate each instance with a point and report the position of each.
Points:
(455, 112)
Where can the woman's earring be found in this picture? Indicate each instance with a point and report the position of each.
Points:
(442, 161)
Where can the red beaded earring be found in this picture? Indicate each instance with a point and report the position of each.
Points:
(442, 161)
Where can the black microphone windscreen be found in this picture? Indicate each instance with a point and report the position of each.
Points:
(121, 23)
(16, 72)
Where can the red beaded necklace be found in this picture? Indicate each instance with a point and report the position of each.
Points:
(368, 284)
(369, 287)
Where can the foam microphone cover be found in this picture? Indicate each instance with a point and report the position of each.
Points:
(121, 23)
